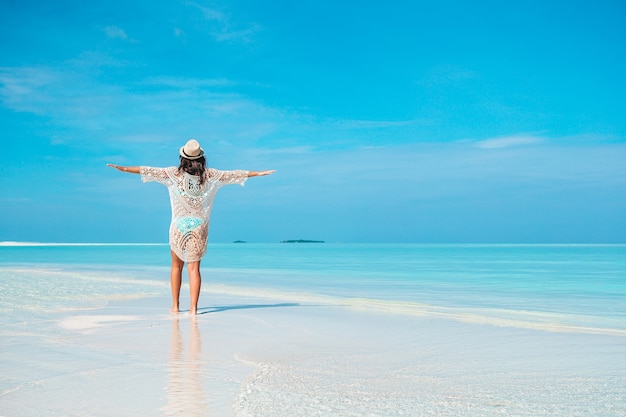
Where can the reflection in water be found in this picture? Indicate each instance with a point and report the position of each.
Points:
(185, 392)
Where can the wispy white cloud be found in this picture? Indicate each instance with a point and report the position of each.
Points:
(420, 183)
(189, 83)
(143, 118)
(375, 124)
(115, 32)
(25, 89)
(16, 200)
(223, 29)
(509, 141)
(243, 35)
(211, 14)
(77, 104)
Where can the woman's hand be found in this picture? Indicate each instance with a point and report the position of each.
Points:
(261, 173)
(132, 170)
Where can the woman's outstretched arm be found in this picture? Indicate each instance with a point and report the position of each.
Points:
(132, 170)
(260, 173)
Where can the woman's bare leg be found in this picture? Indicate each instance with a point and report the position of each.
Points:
(195, 282)
(176, 278)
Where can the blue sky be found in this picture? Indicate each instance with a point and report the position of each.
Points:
(397, 121)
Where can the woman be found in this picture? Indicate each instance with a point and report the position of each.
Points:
(192, 188)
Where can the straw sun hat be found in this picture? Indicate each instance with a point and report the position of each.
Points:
(192, 150)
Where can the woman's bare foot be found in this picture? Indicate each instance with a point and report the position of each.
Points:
(193, 312)
(174, 310)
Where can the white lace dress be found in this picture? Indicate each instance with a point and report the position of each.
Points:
(191, 205)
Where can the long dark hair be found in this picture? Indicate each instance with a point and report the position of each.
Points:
(193, 167)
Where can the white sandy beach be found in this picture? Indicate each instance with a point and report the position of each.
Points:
(278, 357)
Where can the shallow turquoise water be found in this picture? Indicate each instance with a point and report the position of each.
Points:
(61, 331)
(583, 284)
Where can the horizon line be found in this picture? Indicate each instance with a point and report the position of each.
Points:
(36, 244)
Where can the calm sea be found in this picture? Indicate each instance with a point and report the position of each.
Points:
(576, 285)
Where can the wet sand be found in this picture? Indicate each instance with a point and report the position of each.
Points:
(245, 356)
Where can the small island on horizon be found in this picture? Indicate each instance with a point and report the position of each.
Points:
(302, 241)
